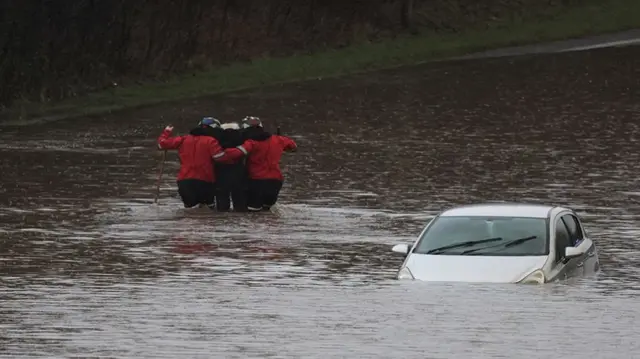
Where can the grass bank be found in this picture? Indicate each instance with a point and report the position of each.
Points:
(615, 15)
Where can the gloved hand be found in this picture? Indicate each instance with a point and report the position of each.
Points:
(169, 128)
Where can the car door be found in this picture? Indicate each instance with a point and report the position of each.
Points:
(575, 237)
(562, 238)
(589, 261)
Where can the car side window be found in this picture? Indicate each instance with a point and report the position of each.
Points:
(563, 239)
(573, 225)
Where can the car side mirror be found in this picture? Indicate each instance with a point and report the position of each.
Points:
(401, 248)
(572, 252)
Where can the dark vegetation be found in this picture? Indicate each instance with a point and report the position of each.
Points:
(56, 49)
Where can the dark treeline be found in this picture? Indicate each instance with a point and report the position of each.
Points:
(53, 49)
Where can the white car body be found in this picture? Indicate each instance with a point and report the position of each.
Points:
(565, 251)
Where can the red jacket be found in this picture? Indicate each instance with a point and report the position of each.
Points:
(263, 161)
(196, 155)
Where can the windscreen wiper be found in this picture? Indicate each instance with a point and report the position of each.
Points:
(462, 244)
(511, 243)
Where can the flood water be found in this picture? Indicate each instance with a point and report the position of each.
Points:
(90, 267)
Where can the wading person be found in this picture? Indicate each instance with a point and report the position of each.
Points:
(197, 151)
(264, 152)
(231, 184)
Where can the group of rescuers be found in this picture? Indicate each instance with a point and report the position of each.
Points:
(221, 163)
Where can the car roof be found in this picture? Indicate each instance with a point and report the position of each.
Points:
(501, 210)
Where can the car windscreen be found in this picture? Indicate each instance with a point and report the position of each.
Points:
(488, 236)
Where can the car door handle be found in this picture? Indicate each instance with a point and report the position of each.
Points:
(580, 264)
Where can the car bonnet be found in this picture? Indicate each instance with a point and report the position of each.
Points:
(469, 268)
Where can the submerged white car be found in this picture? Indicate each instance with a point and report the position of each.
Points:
(500, 243)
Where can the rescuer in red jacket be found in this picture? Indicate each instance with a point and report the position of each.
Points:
(264, 151)
(197, 151)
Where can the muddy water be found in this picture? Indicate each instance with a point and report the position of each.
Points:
(91, 268)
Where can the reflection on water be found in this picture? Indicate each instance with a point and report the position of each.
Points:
(91, 268)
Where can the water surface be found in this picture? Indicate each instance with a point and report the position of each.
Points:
(91, 268)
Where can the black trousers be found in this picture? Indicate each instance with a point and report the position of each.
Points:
(225, 196)
(263, 194)
(194, 192)
(231, 187)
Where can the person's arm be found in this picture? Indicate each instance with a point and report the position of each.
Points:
(288, 144)
(166, 142)
(226, 156)
(247, 146)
